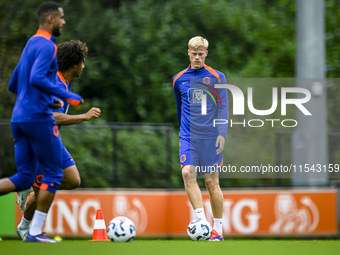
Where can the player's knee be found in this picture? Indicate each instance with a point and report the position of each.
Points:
(70, 184)
(75, 183)
(212, 184)
(186, 173)
(189, 180)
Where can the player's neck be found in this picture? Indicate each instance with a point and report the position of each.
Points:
(46, 28)
(196, 67)
(67, 75)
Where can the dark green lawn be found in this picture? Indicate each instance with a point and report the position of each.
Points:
(187, 247)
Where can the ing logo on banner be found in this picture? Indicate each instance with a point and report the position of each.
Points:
(293, 218)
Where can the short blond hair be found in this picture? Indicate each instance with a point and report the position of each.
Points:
(197, 42)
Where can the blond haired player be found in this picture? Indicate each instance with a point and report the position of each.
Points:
(201, 143)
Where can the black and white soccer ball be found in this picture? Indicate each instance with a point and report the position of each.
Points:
(121, 229)
(199, 230)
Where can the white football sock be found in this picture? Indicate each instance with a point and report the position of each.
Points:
(37, 223)
(200, 213)
(218, 226)
(24, 223)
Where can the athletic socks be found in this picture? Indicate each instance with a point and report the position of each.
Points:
(37, 223)
(200, 213)
(24, 223)
(218, 226)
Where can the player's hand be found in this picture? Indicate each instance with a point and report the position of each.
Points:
(220, 141)
(57, 104)
(94, 112)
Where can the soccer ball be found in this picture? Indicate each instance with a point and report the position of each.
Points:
(199, 230)
(121, 229)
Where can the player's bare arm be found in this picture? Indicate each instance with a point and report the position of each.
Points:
(220, 141)
(65, 119)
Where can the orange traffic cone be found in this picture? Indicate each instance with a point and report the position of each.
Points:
(99, 231)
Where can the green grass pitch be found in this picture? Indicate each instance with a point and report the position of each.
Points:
(173, 247)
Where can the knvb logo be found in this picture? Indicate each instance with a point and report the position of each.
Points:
(195, 95)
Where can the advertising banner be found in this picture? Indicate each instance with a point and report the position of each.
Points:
(168, 213)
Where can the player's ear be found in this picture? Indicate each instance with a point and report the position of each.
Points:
(189, 52)
(50, 18)
(206, 53)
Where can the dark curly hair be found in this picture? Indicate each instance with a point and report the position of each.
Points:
(71, 53)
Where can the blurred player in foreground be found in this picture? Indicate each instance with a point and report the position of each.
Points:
(36, 135)
(71, 60)
(199, 139)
